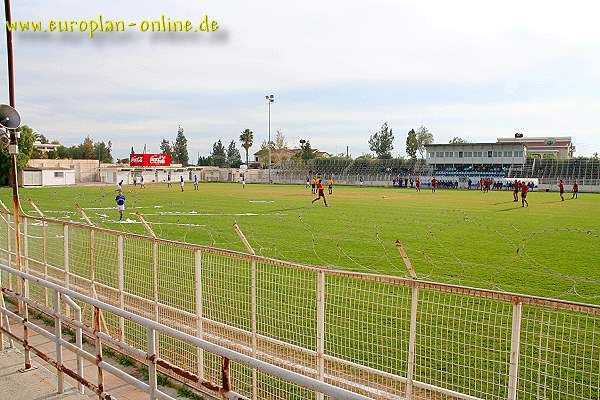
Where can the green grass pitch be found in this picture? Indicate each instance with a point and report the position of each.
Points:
(465, 237)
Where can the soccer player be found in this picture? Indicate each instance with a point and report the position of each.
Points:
(181, 182)
(195, 182)
(524, 190)
(244, 181)
(481, 184)
(575, 190)
(313, 185)
(418, 184)
(134, 180)
(361, 181)
(142, 182)
(433, 184)
(120, 199)
(561, 190)
(307, 182)
(516, 191)
(487, 185)
(120, 186)
(330, 184)
(321, 192)
(169, 179)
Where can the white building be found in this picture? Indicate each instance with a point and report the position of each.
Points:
(476, 154)
(559, 147)
(47, 176)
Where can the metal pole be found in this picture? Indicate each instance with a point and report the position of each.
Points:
(199, 310)
(121, 285)
(269, 142)
(152, 371)
(412, 342)
(515, 345)
(13, 134)
(58, 333)
(320, 329)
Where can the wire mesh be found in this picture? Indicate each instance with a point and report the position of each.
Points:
(351, 330)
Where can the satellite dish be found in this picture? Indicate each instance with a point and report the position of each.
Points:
(9, 117)
(550, 142)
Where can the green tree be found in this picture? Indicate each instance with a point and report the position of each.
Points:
(382, 142)
(458, 140)
(234, 160)
(26, 140)
(102, 152)
(424, 137)
(180, 152)
(411, 144)
(247, 140)
(204, 161)
(307, 152)
(86, 149)
(165, 147)
(218, 155)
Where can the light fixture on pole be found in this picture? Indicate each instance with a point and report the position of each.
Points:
(270, 99)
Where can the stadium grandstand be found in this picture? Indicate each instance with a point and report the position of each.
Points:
(502, 160)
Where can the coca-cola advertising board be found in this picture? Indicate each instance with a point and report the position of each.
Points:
(149, 160)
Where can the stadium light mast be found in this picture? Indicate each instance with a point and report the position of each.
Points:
(270, 99)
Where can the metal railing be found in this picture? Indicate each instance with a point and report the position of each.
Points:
(153, 361)
(377, 336)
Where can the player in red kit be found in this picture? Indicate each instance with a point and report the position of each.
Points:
(481, 184)
(575, 190)
(418, 185)
(433, 184)
(321, 192)
(516, 191)
(524, 190)
(561, 189)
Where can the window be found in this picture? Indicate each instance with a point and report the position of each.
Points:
(449, 154)
(468, 154)
(489, 153)
(518, 154)
(59, 174)
(508, 154)
(460, 154)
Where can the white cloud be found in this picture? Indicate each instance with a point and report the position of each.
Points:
(500, 67)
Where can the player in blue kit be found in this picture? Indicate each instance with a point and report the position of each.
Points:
(120, 199)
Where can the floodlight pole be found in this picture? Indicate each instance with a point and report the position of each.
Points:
(13, 147)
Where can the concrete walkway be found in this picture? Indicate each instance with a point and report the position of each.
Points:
(36, 384)
(41, 383)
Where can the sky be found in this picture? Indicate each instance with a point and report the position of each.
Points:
(338, 70)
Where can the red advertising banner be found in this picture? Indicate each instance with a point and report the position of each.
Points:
(149, 160)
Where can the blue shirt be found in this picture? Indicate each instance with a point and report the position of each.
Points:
(120, 199)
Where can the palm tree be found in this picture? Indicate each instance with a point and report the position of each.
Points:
(247, 138)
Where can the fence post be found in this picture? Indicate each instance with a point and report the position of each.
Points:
(155, 277)
(44, 248)
(253, 296)
(66, 261)
(254, 328)
(9, 247)
(121, 285)
(25, 293)
(151, 364)
(320, 328)
(515, 345)
(412, 342)
(199, 311)
(58, 336)
(98, 344)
